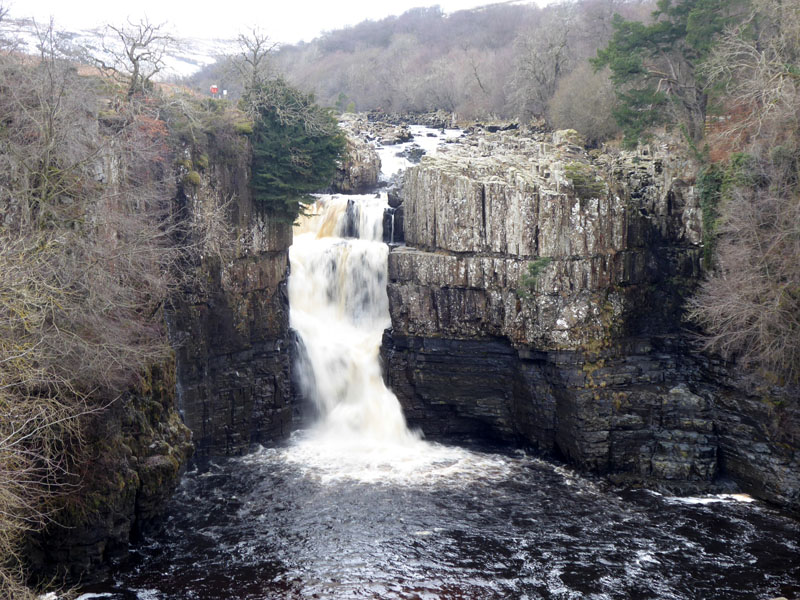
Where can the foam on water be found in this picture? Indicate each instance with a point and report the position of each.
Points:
(427, 139)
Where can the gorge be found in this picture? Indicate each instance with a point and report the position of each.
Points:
(495, 303)
(587, 367)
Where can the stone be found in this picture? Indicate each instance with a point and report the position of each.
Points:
(138, 448)
(231, 335)
(590, 359)
(359, 172)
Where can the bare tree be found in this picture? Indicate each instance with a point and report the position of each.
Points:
(86, 260)
(253, 62)
(583, 101)
(759, 72)
(135, 53)
(543, 57)
(750, 304)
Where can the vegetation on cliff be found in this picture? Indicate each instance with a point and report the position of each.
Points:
(655, 66)
(727, 74)
(750, 304)
(296, 147)
(87, 259)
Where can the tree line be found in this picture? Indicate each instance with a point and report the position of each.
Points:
(722, 75)
(503, 61)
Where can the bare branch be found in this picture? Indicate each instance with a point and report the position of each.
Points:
(134, 53)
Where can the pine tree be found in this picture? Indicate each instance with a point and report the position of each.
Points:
(655, 67)
(296, 147)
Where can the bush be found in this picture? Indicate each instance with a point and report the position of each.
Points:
(584, 101)
(750, 304)
(527, 283)
(584, 180)
(192, 178)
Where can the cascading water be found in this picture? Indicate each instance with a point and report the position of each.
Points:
(339, 308)
(358, 507)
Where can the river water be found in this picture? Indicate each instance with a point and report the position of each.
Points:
(358, 506)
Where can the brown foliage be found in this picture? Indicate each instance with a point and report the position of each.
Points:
(750, 304)
(87, 258)
(583, 101)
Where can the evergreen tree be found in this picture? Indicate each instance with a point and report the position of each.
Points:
(654, 67)
(296, 147)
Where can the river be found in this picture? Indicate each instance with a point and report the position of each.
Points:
(359, 506)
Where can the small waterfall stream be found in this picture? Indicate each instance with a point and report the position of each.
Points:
(359, 507)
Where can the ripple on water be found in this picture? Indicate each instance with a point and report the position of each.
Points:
(300, 521)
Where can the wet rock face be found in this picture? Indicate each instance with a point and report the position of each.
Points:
(539, 301)
(759, 434)
(231, 333)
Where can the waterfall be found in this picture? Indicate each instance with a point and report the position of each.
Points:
(339, 308)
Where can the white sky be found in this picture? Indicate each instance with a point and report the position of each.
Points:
(283, 20)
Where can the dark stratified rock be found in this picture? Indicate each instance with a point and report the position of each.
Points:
(633, 418)
(540, 301)
(759, 427)
(394, 190)
(393, 226)
(137, 448)
(394, 196)
(231, 333)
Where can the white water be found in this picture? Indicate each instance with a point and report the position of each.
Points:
(339, 308)
(424, 137)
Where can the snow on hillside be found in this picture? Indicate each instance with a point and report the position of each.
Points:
(188, 56)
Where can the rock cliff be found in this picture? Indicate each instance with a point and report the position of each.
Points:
(137, 449)
(539, 301)
(360, 170)
(228, 386)
(231, 330)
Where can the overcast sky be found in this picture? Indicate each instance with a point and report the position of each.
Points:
(283, 20)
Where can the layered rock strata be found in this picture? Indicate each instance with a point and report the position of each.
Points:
(539, 301)
(231, 331)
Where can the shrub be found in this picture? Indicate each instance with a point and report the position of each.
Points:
(192, 178)
(528, 281)
(584, 180)
(584, 101)
(201, 162)
(750, 304)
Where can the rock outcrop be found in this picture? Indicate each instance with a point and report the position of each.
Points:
(228, 386)
(137, 449)
(539, 301)
(231, 332)
(360, 170)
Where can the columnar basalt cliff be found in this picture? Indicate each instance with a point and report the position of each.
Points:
(231, 332)
(539, 301)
